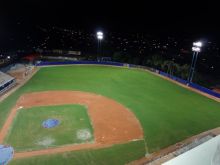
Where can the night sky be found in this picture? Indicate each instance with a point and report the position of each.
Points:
(159, 18)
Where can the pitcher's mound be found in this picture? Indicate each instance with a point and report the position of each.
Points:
(50, 123)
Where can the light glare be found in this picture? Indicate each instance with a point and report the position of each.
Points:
(197, 44)
(99, 33)
(196, 49)
(100, 37)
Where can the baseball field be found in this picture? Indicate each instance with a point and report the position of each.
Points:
(108, 115)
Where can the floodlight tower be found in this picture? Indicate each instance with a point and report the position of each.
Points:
(196, 49)
(100, 37)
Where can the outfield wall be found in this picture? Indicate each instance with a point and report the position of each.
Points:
(182, 81)
(193, 85)
(80, 62)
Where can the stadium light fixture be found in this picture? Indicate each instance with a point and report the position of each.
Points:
(99, 33)
(100, 37)
(196, 49)
(197, 44)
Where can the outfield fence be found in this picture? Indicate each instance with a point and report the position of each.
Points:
(182, 81)
(80, 62)
(193, 85)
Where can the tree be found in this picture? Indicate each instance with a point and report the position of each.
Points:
(184, 71)
(155, 61)
(172, 68)
(166, 66)
(117, 56)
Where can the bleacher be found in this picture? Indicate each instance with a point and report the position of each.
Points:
(6, 82)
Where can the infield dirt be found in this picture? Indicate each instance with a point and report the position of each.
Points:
(111, 121)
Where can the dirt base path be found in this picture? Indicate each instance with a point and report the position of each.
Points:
(112, 122)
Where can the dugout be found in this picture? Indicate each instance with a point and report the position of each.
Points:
(6, 82)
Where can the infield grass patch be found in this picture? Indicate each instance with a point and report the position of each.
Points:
(27, 132)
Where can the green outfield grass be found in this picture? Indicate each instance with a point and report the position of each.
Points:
(167, 112)
(27, 132)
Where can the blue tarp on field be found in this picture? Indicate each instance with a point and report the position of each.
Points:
(50, 123)
(6, 154)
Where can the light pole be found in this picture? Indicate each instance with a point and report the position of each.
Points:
(196, 49)
(100, 37)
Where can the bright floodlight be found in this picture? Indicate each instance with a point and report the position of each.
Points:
(99, 33)
(196, 49)
(100, 37)
(197, 44)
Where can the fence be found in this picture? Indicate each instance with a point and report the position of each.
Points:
(193, 85)
(80, 62)
(205, 90)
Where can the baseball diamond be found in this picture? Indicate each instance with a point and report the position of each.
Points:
(100, 113)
